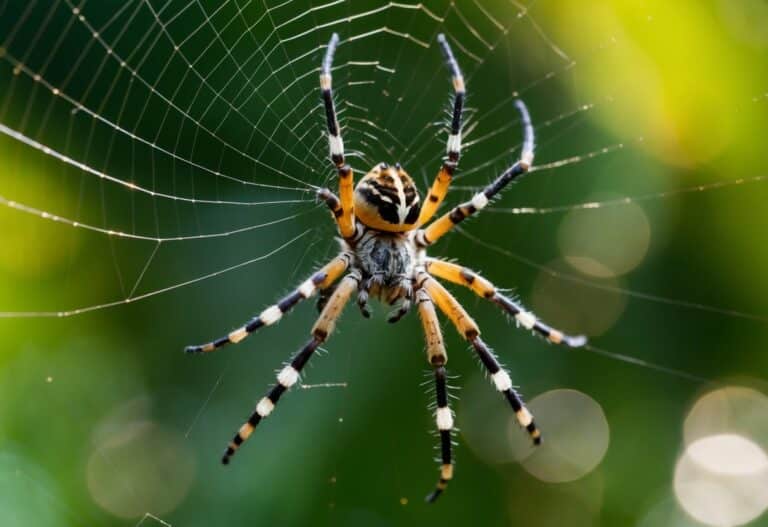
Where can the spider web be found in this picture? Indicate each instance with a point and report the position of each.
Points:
(161, 161)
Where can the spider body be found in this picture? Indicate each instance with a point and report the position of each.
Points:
(385, 231)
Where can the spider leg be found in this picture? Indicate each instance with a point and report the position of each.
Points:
(447, 221)
(363, 294)
(483, 288)
(344, 213)
(406, 299)
(333, 202)
(289, 375)
(437, 358)
(468, 329)
(322, 279)
(400, 312)
(323, 296)
(453, 149)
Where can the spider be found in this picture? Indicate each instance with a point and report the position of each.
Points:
(381, 222)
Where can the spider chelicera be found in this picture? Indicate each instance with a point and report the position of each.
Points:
(384, 255)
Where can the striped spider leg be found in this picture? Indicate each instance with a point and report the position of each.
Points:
(342, 206)
(468, 329)
(446, 222)
(430, 292)
(320, 280)
(289, 375)
(437, 358)
(442, 181)
(485, 289)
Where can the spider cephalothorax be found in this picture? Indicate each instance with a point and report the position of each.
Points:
(384, 255)
(387, 204)
(387, 200)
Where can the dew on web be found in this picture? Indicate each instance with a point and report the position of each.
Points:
(161, 162)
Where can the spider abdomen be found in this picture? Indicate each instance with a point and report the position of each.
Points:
(386, 199)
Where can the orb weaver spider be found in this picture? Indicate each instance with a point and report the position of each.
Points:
(384, 255)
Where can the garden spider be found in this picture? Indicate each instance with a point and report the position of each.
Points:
(384, 255)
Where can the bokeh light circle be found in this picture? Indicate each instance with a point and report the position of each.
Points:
(138, 466)
(575, 307)
(579, 503)
(605, 243)
(576, 436)
(482, 418)
(667, 513)
(722, 480)
(729, 410)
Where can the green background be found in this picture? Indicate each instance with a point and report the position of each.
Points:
(103, 408)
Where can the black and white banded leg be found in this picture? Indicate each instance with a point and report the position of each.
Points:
(443, 179)
(504, 384)
(468, 329)
(481, 287)
(529, 321)
(479, 201)
(453, 148)
(444, 419)
(437, 358)
(289, 375)
(343, 208)
(335, 143)
(321, 279)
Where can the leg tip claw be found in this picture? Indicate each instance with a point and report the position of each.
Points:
(432, 497)
(228, 453)
(577, 341)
